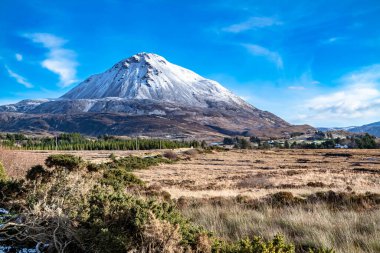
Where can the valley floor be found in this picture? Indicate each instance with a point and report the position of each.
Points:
(256, 173)
(253, 173)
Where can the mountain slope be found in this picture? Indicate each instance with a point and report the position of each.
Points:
(145, 95)
(373, 129)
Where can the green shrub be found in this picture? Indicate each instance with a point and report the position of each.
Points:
(3, 174)
(255, 245)
(64, 162)
(116, 221)
(37, 172)
(93, 167)
(321, 250)
(131, 163)
(120, 179)
(11, 190)
(112, 156)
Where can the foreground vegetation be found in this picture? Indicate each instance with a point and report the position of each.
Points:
(70, 205)
(344, 222)
(73, 206)
(75, 141)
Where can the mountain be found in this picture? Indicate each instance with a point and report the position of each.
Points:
(150, 76)
(373, 129)
(146, 95)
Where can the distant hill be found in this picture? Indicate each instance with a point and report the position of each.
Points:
(373, 129)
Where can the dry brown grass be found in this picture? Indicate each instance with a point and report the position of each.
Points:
(345, 231)
(251, 173)
(256, 173)
(18, 162)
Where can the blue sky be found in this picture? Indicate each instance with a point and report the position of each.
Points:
(315, 62)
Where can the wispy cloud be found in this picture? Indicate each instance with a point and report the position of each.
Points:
(60, 60)
(272, 56)
(252, 23)
(332, 40)
(20, 79)
(358, 99)
(297, 88)
(18, 57)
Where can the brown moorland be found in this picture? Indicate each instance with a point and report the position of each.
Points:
(256, 173)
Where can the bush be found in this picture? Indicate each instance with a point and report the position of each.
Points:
(283, 199)
(131, 163)
(3, 174)
(120, 178)
(256, 245)
(191, 152)
(93, 167)
(171, 155)
(112, 156)
(11, 190)
(64, 162)
(118, 222)
(37, 172)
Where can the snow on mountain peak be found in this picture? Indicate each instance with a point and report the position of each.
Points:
(150, 76)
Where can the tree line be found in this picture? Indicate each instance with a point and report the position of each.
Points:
(365, 141)
(76, 141)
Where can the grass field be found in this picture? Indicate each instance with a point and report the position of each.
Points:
(17, 162)
(214, 182)
(209, 188)
(256, 173)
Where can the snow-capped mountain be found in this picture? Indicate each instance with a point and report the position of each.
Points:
(150, 76)
(145, 95)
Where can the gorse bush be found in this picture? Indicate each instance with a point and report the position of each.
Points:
(10, 193)
(257, 245)
(131, 163)
(119, 221)
(37, 172)
(119, 179)
(64, 162)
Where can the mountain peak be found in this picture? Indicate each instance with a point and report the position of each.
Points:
(146, 57)
(143, 59)
(150, 76)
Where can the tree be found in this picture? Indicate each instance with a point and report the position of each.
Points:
(366, 141)
(228, 141)
(286, 144)
(255, 139)
(244, 143)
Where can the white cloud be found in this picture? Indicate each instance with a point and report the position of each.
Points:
(262, 51)
(252, 23)
(297, 88)
(59, 60)
(358, 99)
(18, 57)
(20, 79)
(332, 40)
